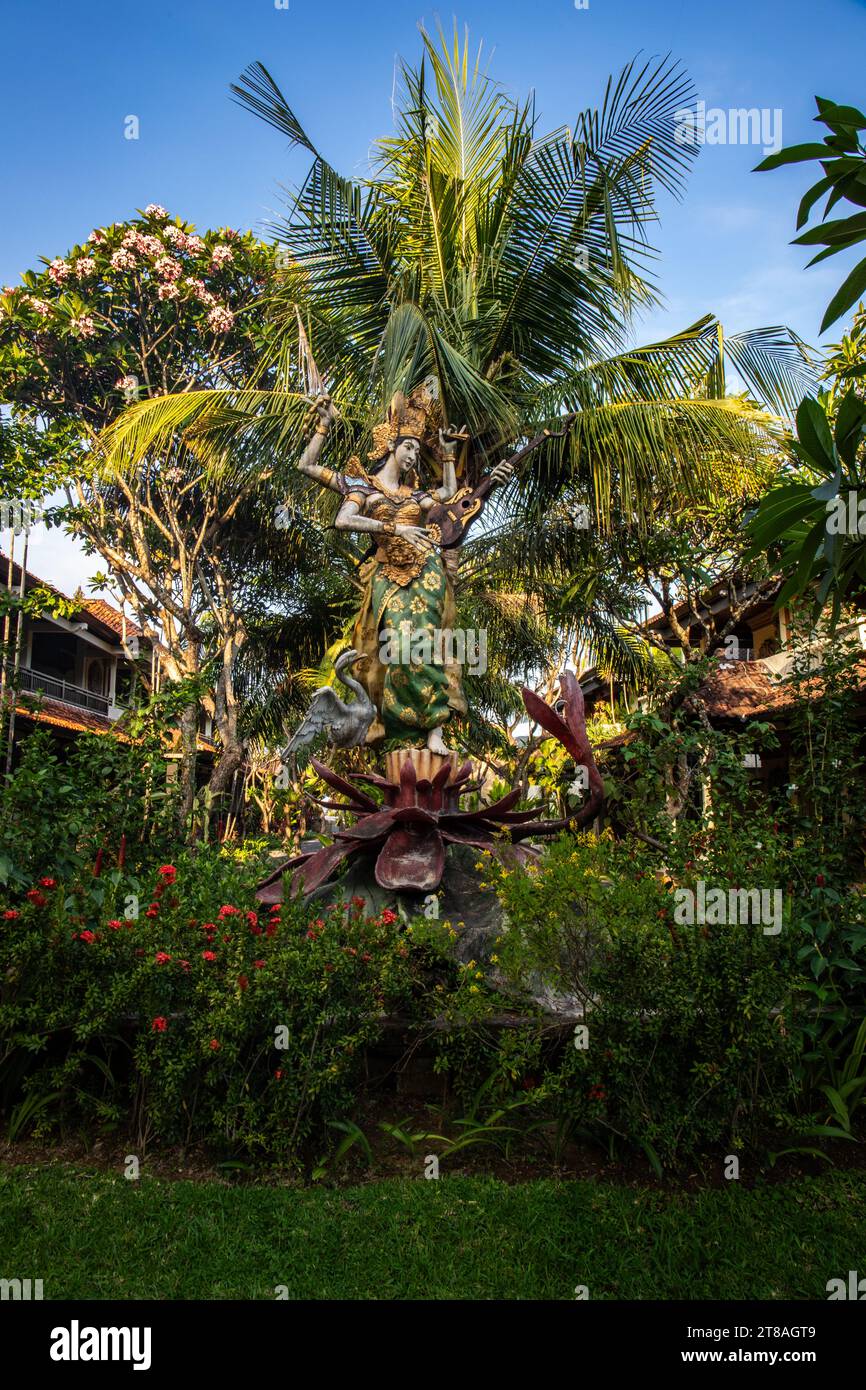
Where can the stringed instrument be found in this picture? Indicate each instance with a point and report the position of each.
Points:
(449, 521)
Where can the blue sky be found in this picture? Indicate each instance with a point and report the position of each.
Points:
(73, 73)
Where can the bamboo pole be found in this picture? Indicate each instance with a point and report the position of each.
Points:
(19, 638)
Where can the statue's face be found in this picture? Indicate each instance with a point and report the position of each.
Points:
(408, 454)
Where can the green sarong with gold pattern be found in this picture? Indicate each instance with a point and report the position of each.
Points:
(415, 692)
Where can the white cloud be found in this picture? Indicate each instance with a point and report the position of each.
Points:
(59, 560)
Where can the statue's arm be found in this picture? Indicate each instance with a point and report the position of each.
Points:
(449, 480)
(350, 518)
(448, 449)
(308, 462)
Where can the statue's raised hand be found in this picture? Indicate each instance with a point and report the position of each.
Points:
(326, 411)
(450, 439)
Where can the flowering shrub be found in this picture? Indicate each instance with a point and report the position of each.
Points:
(203, 1018)
(693, 1030)
(85, 812)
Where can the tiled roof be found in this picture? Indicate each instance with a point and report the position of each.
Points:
(705, 600)
(63, 716)
(96, 609)
(111, 616)
(741, 689)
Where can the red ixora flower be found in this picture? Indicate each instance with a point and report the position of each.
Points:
(388, 916)
(259, 964)
(597, 1093)
(243, 982)
(228, 911)
(10, 914)
(214, 1044)
(87, 936)
(115, 924)
(153, 910)
(48, 882)
(208, 955)
(168, 872)
(34, 896)
(162, 957)
(278, 1075)
(159, 1024)
(253, 919)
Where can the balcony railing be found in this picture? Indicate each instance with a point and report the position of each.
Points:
(59, 690)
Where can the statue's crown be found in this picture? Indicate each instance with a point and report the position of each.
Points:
(417, 415)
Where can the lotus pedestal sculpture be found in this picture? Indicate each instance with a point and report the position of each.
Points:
(405, 840)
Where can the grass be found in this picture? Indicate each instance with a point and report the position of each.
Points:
(89, 1235)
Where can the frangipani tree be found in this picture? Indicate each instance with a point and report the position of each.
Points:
(145, 310)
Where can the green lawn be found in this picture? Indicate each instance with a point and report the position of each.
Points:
(90, 1236)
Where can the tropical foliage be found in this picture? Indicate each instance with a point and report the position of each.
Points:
(817, 513)
(842, 157)
(508, 264)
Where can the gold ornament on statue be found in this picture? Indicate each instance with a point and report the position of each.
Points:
(415, 416)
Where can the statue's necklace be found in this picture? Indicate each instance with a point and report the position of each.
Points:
(401, 492)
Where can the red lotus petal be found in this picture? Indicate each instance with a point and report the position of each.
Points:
(369, 827)
(437, 787)
(408, 781)
(339, 784)
(485, 813)
(460, 837)
(404, 815)
(270, 890)
(374, 780)
(319, 866)
(549, 720)
(575, 718)
(411, 860)
(505, 803)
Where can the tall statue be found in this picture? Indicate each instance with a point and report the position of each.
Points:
(407, 585)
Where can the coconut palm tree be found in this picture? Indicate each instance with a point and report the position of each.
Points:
(510, 265)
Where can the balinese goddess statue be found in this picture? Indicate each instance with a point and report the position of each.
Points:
(407, 585)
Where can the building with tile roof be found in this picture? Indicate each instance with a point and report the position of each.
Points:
(77, 673)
